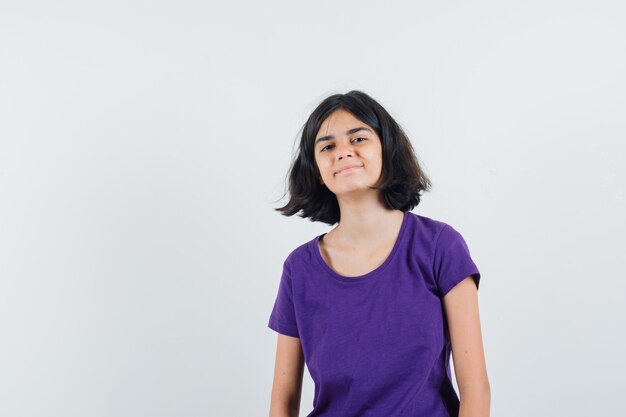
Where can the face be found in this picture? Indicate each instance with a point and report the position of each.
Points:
(344, 141)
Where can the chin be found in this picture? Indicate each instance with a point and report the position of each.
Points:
(352, 188)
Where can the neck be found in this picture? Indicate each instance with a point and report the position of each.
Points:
(361, 223)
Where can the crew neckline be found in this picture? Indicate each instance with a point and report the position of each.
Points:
(365, 277)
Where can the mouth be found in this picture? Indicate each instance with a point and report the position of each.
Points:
(349, 169)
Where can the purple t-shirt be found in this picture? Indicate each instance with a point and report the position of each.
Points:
(378, 344)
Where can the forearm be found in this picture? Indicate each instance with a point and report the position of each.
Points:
(475, 403)
(284, 410)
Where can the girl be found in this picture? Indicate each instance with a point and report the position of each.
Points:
(375, 306)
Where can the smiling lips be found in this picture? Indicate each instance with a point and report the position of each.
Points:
(347, 167)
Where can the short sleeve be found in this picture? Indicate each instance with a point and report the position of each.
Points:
(283, 317)
(452, 262)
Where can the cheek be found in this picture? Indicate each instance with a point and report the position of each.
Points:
(322, 169)
(323, 164)
(318, 163)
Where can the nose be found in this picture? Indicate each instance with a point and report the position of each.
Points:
(343, 150)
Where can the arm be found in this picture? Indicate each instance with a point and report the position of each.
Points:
(288, 372)
(461, 309)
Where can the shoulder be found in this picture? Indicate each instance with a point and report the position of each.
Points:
(301, 255)
(428, 227)
(434, 234)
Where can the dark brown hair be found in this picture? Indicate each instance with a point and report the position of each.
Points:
(401, 182)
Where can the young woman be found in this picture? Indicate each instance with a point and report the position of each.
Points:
(375, 306)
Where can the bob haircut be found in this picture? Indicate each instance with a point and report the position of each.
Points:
(401, 181)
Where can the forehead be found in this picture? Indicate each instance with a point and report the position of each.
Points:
(337, 121)
(340, 123)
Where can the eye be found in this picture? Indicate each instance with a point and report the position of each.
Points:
(322, 150)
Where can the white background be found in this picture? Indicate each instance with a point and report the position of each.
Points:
(145, 144)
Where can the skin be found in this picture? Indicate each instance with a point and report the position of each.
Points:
(359, 243)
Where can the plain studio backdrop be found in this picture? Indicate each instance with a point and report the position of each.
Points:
(144, 146)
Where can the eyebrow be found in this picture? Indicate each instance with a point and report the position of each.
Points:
(348, 132)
